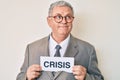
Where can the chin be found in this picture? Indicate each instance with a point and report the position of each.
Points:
(63, 34)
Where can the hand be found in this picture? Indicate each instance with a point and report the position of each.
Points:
(79, 72)
(33, 71)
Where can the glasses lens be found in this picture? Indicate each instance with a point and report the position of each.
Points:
(58, 18)
(69, 18)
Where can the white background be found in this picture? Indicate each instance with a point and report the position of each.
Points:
(24, 21)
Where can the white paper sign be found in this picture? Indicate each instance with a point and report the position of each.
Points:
(57, 63)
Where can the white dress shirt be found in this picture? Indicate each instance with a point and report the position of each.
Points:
(53, 43)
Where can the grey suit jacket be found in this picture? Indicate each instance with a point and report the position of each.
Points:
(83, 52)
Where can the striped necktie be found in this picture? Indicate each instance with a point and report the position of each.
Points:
(57, 53)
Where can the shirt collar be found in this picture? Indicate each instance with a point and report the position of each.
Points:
(63, 44)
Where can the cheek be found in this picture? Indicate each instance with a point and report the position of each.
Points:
(53, 27)
(51, 23)
(70, 27)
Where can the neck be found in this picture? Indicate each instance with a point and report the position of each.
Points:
(59, 39)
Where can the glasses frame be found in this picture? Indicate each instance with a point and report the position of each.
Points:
(65, 17)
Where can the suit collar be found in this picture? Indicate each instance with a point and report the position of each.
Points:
(71, 48)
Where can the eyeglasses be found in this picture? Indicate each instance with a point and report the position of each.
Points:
(59, 18)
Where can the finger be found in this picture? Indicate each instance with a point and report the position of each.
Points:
(36, 68)
(77, 73)
(79, 68)
(79, 77)
(36, 74)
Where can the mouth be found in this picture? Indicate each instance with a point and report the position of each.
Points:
(63, 27)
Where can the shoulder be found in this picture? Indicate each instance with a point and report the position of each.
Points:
(81, 43)
(39, 42)
(83, 46)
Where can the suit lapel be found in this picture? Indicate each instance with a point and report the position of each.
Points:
(45, 47)
(71, 49)
(50, 74)
(45, 50)
(57, 74)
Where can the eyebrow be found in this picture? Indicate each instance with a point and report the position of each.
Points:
(65, 15)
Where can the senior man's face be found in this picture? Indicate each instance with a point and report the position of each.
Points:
(61, 27)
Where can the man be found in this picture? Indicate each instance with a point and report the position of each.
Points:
(60, 18)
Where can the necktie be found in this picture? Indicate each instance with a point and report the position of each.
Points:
(57, 53)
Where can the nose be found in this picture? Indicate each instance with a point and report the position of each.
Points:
(64, 20)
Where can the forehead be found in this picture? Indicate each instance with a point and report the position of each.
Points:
(63, 10)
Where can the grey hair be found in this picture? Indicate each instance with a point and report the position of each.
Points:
(59, 3)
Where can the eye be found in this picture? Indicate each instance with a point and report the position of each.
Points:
(68, 17)
(58, 17)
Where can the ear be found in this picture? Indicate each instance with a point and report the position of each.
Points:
(49, 21)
